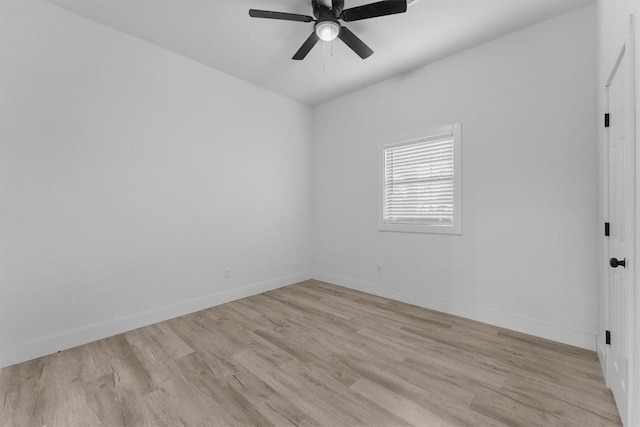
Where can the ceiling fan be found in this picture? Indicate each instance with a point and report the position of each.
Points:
(327, 27)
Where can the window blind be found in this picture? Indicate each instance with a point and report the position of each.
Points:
(418, 182)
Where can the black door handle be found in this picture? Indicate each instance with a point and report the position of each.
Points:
(613, 262)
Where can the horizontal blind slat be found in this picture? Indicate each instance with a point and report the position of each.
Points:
(420, 186)
(444, 173)
(420, 168)
(398, 158)
(425, 145)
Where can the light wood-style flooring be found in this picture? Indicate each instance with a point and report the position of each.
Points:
(311, 354)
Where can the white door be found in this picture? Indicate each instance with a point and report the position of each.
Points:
(621, 240)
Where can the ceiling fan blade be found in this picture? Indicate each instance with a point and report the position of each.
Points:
(254, 13)
(355, 43)
(373, 10)
(306, 47)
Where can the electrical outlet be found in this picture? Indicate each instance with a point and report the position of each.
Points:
(227, 273)
(379, 268)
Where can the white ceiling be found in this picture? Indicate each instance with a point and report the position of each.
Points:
(220, 33)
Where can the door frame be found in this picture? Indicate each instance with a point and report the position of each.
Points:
(628, 48)
(634, 406)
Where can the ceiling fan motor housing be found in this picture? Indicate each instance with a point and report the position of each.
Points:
(336, 9)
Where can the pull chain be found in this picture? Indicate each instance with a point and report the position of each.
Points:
(323, 56)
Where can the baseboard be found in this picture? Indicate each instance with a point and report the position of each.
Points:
(68, 339)
(582, 339)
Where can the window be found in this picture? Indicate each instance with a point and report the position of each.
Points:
(421, 183)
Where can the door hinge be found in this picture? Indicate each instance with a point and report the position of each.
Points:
(606, 229)
(606, 120)
(607, 337)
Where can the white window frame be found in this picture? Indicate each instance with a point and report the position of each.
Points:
(455, 130)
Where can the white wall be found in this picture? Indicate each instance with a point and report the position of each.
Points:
(613, 26)
(527, 256)
(131, 177)
(128, 180)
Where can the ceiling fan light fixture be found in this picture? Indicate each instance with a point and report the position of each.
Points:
(327, 30)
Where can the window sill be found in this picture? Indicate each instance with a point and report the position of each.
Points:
(428, 229)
